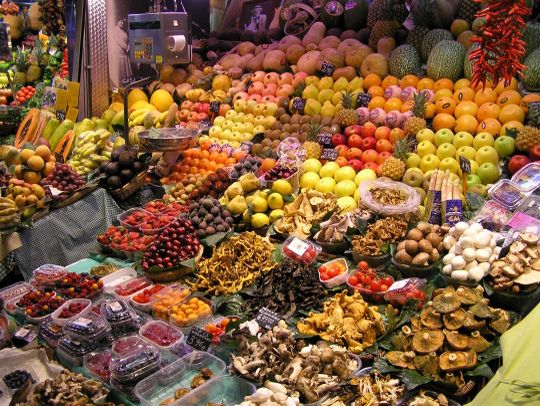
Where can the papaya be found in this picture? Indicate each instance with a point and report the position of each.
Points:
(44, 118)
(27, 128)
(63, 148)
(59, 133)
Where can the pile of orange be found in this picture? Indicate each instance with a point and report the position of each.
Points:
(35, 164)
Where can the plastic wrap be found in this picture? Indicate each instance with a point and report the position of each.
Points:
(410, 205)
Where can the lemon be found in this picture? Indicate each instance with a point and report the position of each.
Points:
(282, 187)
(276, 214)
(275, 201)
(259, 205)
(259, 220)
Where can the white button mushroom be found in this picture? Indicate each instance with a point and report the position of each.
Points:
(476, 274)
(466, 242)
(461, 227)
(449, 241)
(471, 264)
(447, 269)
(458, 262)
(469, 254)
(460, 275)
(483, 254)
(476, 227)
(484, 266)
(448, 258)
(482, 240)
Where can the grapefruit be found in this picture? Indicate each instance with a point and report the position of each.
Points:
(136, 95)
(162, 100)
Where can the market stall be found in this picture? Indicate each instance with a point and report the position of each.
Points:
(322, 203)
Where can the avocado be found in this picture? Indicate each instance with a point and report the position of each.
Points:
(103, 166)
(125, 160)
(112, 168)
(126, 174)
(114, 182)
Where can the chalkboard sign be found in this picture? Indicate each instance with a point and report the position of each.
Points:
(61, 115)
(534, 108)
(299, 104)
(214, 106)
(325, 139)
(363, 99)
(328, 68)
(49, 98)
(464, 164)
(199, 339)
(6, 53)
(329, 154)
(204, 124)
(267, 319)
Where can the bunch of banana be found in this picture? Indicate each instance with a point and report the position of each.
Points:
(93, 148)
(218, 95)
(9, 213)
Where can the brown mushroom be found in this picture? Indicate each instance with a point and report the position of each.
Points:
(501, 322)
(452, 361)
(427, 364)
(481, 310)
(447, 302)
(529, 238)
(454, 320)
(471, 323)
(401, 359)
(456, 340)
(469, 296)
(426, 341)
(477, 342)
(472, 359)
(416, 323)
(455, 379)
(402, 341)
(431, 318)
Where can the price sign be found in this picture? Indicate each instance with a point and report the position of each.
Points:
(464, 164)
(204, 124)
(61, 115)
(299, 104)
(329, 154)
(328, 68)
(325, 139)
(214, 106)
(534, 108)
(199, 339)
(363, 99)
(246, 147)
(49, 98)
(267, 319)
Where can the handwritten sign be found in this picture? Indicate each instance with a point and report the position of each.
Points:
(328, 68)
(49, 98)
(363, 99)
(199, 339)
(325, 139)
(299, 104)
(204, 124)
(267, 319)
(464, 164)
(329, 154)
(214, 106)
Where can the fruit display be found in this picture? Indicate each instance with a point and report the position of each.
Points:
(125, 241)
(332, 269)
(74, 285)
(24, 94)
(64, 179)
(16, 379)
(299, 250)
(164, 300)
(124, 165)
(38, 303)
(98, 364)
(378, 235)
(130, 287)
(217, 329)
(160, 333)
(144, 296)
(72, 308)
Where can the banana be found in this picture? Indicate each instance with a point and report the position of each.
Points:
(138, 113)
(8, 219)
(8, 212)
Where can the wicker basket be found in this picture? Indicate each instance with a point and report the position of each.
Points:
(128, 189)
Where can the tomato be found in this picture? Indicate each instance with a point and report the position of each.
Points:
(323, 269)
(375, 285)
(387, 280)
(333, 272)
(324, 276)
(363, 265)
(366, 279)
(384, 287)
(353, 280)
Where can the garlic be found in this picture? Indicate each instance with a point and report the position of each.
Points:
(269, 403)
(452, 250)
(483, 254)
(448, 258)
(460, 275)
(452, 231)
(461, 227)
(449, 241)
(447, 269)
(469, 254)
(275, 387)
(471, 264)
(482, 240)
(466, 242)
(476, 228)
(476, 274)
(458, 262)
(261, 395)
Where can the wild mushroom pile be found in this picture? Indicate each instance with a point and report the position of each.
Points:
(448, 335)
(422, 246)
(389, 230)
(307, 371)
(345, 320)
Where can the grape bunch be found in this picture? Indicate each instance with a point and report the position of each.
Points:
(64, 178)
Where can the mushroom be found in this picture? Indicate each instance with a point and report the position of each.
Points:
(501, 322)
(453, 361)
(454, 320)
(447, 302)
(456, 340)
(427, 364)
(469, 296)
(472, 359)
(470, 322)
(426, 341)
(431, 318)
(416, 323)
(401, 359)
(477, 342)
(529, 238)
(481, 310)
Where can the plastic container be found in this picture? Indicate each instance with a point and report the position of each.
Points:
(130, 287)
(492, 215)
(528, 177)
(370, 295)
(90, 328)
(57, 319)
(338, 279)
(405, 289)
(134, 226)
(127, 344)
(300, 250)
(48, 274)
(97, 363)
(167, 298)
(159, 330)
(51, 333)
(228, 390)
(176, 320)
(5, 371)
(71, 353)
(114, 279)
(529, 206)
(15, 291)
(374, 261)
(179, 375)
(142, 306)
(506, 193)
(410, 205)
(11, 307)
(115, 310)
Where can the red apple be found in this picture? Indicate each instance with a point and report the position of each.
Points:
(368, 130)
(383, 156)
(342, 149)
(339, 139)
(517, 162)
(355, 141)
(356, 164)
(370, 156)
(369, 143)
(353, 129)
(382, 133)
(371, 165)
(534, 152)
(384, 146)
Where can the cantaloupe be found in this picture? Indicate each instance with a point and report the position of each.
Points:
(27, 128)
(531, 78)
(329, 42)
(431, 39)
(405, 60)
(294, 52)
(446, 60)
(355, 56)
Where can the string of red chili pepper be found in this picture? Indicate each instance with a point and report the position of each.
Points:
(500, 44)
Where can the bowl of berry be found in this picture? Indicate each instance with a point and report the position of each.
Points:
(39, 304)
(17, 378)
(79, 286)
(70, 310)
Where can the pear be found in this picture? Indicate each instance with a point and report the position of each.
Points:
(325, 83)
(249, 182)
(238, 205)
(234, 190)
(310, 92)
(341, 84)
(328, 109)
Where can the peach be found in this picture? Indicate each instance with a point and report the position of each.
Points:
(256, 88)
(284, 90)
(382, 133)
(269, 89)
(258, 76)
(268, 99)
(285, 78)
(186, 105)
(255, 97)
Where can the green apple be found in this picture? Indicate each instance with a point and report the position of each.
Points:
(215, 131)
(309, 180)
(429, 162)
(487, 154)
(488, 173)
(344, 173)
(328, 170)
(473, 180)
(505, 146)
(446, 150)
(425, 135)
(442, 136)
(346, 204)
(326, 185)
(449, 164)
(413, 177)
(312, 165)
(226, 134)
(269, 121)
(345, 188)
(467, 152)
(483, 139)
(413, 160)
(219, 121)
(240, 118)
(463, 139)
(364, 174)
(425, 148)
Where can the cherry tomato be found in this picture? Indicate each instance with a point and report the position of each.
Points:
(353, 280)
(384, 287)
(333, 272)
(363, 265)
(323, 269)
(375, 285)
(366, 279)
(324, 276)
(387, 281)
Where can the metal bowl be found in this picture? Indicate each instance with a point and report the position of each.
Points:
(168, 139)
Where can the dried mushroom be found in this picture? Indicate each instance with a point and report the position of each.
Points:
(426, 341)
(384, 231)
(401, 359)
(427, 364)
(453, 361)
(470, 322)
(455, 319)
(469, 296)
(456, 340)
(481, 310)
(455, 379)
(388, 197)
(447, 301)
(431, 318)
(477, 342)
(501, 321)
(529, 238)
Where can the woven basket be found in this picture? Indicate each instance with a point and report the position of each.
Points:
(128, 189)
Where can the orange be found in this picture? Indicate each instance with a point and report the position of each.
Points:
(511, 125)
(342, 161)
(389, 81)
(425, 83)
(490, 125)
(444, 120)
(372, 80)
(466, 107)
(466, 123)
(513, 85)
(461, 83)
(32, 177)
(445, 105)
(36, 163)
(463, 94)
(408, 80)
(396, 134)
(429, 111)
(44, 152)
(407, 106)
(486, 95)
(531, 97)
(376, 90)
(511, 112)
(377, 101)
(509, 97)
(480, 86)
(443, 93)
(26, 154)
(443, 84)
(267, 164)
(488, 110)
(393, 104)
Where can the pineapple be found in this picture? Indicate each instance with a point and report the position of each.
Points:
(400, 11)
(467, 10)
(376, 12)
(21, 63)
(417, 122)
(420, 15)
(347, 115)
(394, 167)
(386, 25)
(36, 60)
(528, 138)
(312, 146)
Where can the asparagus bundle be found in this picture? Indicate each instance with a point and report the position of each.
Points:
(442, 199)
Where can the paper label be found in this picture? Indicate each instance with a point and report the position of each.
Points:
(299, 104)
(82, 322)
(267, 319)
(453, 212)
(398, 285)
(22, 332)
(298, 246)
(214, 106)
(325, 139)
(329, 154)
(328, 68)
(363, 99)
(434, 207)
(409, 22)
(199, 339)
(464, 164)
(115, 307)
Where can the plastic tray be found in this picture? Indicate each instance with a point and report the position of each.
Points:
(127, 344)
(48, 274)
(145, 307)
(399, 292)
(199, 320)
(528, 177)
(135, 365)
(166, 298)
(175, 334)
(338, 279)
(506, 193)
(61, 321)
(114, 279)
(229, 390)
(376, 297)
(297, 249)
(51, 333)
(26, 367)
(178, 375)
(115, 310)
(529, 206)
(15, 291)
(122, 216)
(133, 286)
(90, 328)
(71, 353)
(92, 361)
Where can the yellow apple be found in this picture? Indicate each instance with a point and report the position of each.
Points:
(446, 150)
(467, 152)
(487, 154)
(344, 173)
(413, 160)
(309, 180)
(425, 135)
(425, 148)
(429, 162)
(365, 174)
(463, 139)
(326, 185)
(345, 188)
(449, 164)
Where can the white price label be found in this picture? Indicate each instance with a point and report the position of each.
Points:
(298, 246)
(22, 333)
(83, 322)
(398, 285)
(115, 307)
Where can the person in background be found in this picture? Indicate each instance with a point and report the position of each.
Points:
(119, 66)
(258, 20)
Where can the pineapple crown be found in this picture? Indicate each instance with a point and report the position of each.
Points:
(403, 146)
(21, 59)
(419, 107)
(347, 100)
(420, 11)
(313, 131)
(39, 51)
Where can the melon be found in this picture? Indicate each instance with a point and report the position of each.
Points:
(375, 63)
(467, 64)
(432, 38)
(27, 128)
(329, 42)
(294, 52)
(531, 36)
(308, 62)
(531, 78)
(355, 56)
(51, 126)
(405, 60)
(161, 99)
(136, 95)
(275, 61)
(288, 41)
(382, 29)
(446, 60)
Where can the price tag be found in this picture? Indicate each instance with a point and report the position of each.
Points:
(363, 99)
(257, 139)
(49, 98)
(534, 108)
(214, 106)
(204, 124)
(55, 191)
(329, 154)
(267, 319)
(298, 246)
(325, 139)
(115, 307)
(409, 22)
(61, 115)
(413, 143)
(299, 104)
(199, 339)
(246, 147)
(82, 322)
(464, 164)
(22, 333)
(328, 68)
(350, 4)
